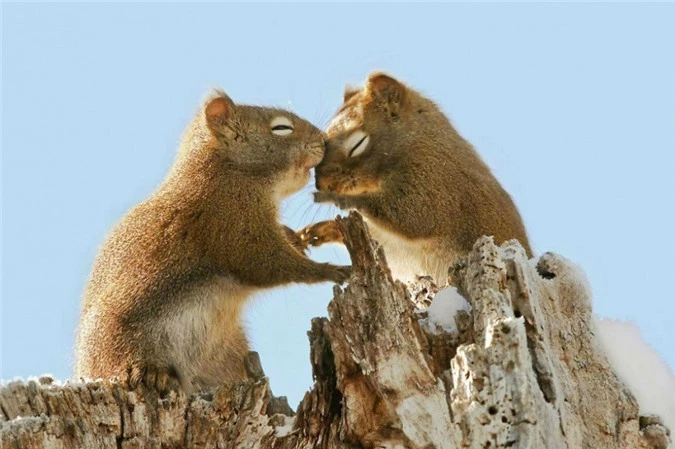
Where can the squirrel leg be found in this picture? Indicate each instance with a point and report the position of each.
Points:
(277, 262)
(309, 271)
(161, 379)
(290, 266)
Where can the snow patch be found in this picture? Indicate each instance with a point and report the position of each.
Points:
(282, 431)
(444, 307)
(640, 367)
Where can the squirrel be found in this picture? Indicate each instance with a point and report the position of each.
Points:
(424, 191)
(164, 300)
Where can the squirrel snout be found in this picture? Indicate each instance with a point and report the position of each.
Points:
(314, 154)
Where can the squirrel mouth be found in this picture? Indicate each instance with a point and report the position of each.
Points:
(348, 186)
(323, 184)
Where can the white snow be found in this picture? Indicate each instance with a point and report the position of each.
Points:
(640, 367)
(444, 307)
(284, 430)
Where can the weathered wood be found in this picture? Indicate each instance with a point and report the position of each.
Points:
(523, 371)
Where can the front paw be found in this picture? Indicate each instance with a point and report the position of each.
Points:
(341, 273)
(296, 240)
(319, 233)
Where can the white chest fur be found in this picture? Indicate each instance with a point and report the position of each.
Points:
(410, 258)
(205, 329)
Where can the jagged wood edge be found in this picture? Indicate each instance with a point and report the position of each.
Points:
(361, 398)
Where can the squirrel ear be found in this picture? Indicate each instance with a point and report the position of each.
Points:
(218, 111)
(385, 89)
(350, 91)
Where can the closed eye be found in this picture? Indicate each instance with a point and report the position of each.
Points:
(281, 126)
(357, 143)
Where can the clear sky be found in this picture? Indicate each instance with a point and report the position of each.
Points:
(572, 105)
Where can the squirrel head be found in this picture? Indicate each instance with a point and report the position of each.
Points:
(371, 135)
(274, 146)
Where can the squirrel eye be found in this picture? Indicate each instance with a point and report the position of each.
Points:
(281, 126)
(357, 143)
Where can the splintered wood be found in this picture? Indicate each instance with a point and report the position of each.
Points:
(523, 371)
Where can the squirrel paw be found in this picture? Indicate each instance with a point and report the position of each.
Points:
(296, 240)
(319, 233)
(161, 379)
(342, 273)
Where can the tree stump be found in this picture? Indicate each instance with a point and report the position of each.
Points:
(523, 370)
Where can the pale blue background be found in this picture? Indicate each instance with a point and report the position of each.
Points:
(573, 106)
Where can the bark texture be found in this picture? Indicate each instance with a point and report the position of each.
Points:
(522, 371)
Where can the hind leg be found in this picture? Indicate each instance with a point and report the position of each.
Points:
(161, 379)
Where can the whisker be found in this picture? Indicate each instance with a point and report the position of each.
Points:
(304, 204)
(318, 209)
(304, 214)
(335, 253)
(323, 114)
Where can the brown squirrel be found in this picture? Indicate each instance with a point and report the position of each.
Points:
(426, 194)
(165, 296)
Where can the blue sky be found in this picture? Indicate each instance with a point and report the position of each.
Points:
(572, 105)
